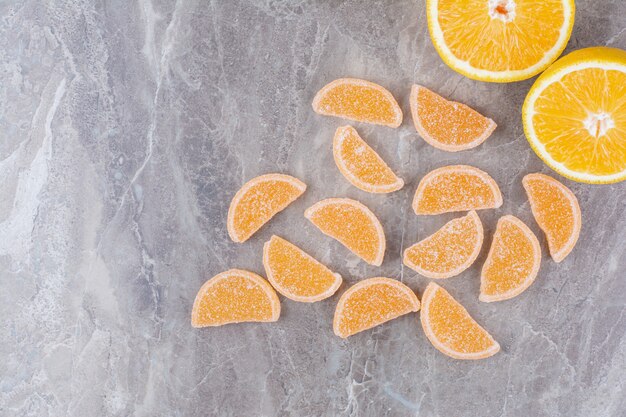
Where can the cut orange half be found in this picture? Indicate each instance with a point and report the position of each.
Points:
(456, 188)
(449, 251)
(352, 224)
(235, 296)
(451, 329)
(358, 100)
(258, 201)
(448, 125)
(556, 211)
(372, 302)
(361, 165)
(296, 274)
(512, 263)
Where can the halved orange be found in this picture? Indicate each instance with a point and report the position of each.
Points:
(456, 188)
(448, 125)
(556, 211)
(258, 201)
(352, 224)
(451, 329)
(358, 100)
(296, 274)
(372, 302)
(512, 263)
(450, 250)
(235, 296)
(361, 165)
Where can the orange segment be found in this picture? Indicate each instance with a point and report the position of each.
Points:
(447, 125)
(456, 188)
(258, 201)
(235, 296)
(361, 165)
(451, 329)
(512, 263)
(352, 224)
(372, 302)
(556, 211)
(449, 251)
(359, 100)
(297, 275)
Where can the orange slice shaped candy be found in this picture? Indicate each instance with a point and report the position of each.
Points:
(235, 296)
(372, 302)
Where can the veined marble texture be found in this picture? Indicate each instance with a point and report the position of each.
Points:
(127, 127)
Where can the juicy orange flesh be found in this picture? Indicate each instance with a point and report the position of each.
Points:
(359, 103)
(234, 299)
(350, 226)
(495, 45)
(553, 213)
(363, 162)
(261, 203)
(372, 305)
(453, 326)
(560, 114)
(455, 191)
(449, 122)
(447, 249)
(296, 273)
(511, 261)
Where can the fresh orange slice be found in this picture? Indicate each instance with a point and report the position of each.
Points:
(296, 274)
(361, 165)
(352, 224)
(358, 100)
(512, 263)
(372, 302)
(451, 329)
(556, 211)
(235, 296)
(449, 251)
(456, 188)
(448, 125)
(258, 201)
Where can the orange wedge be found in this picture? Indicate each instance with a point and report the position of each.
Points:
(235, 296)
(449, 251)
(352, 224)
(556, 211)
(297, 275)
(451, 329)
(448, 125)
(512, 263)
(372, 302)
(361, 165)
(358, 100)
(456, 188)
(258, 201)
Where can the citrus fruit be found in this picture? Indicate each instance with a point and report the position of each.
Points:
(234, 296)
(512, 263)
(575, 115)
(352, 224)
(449, 251)
(372, 302)
(556, 211)
(258, 201)
(358, 100)
(456, 188)
(447, 125)
(296, 274)
(361, 165)
(500, 40)
(451, 329)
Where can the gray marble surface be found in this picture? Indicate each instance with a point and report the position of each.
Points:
(126, 129)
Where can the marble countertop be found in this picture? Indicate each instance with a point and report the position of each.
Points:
(126, 129)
